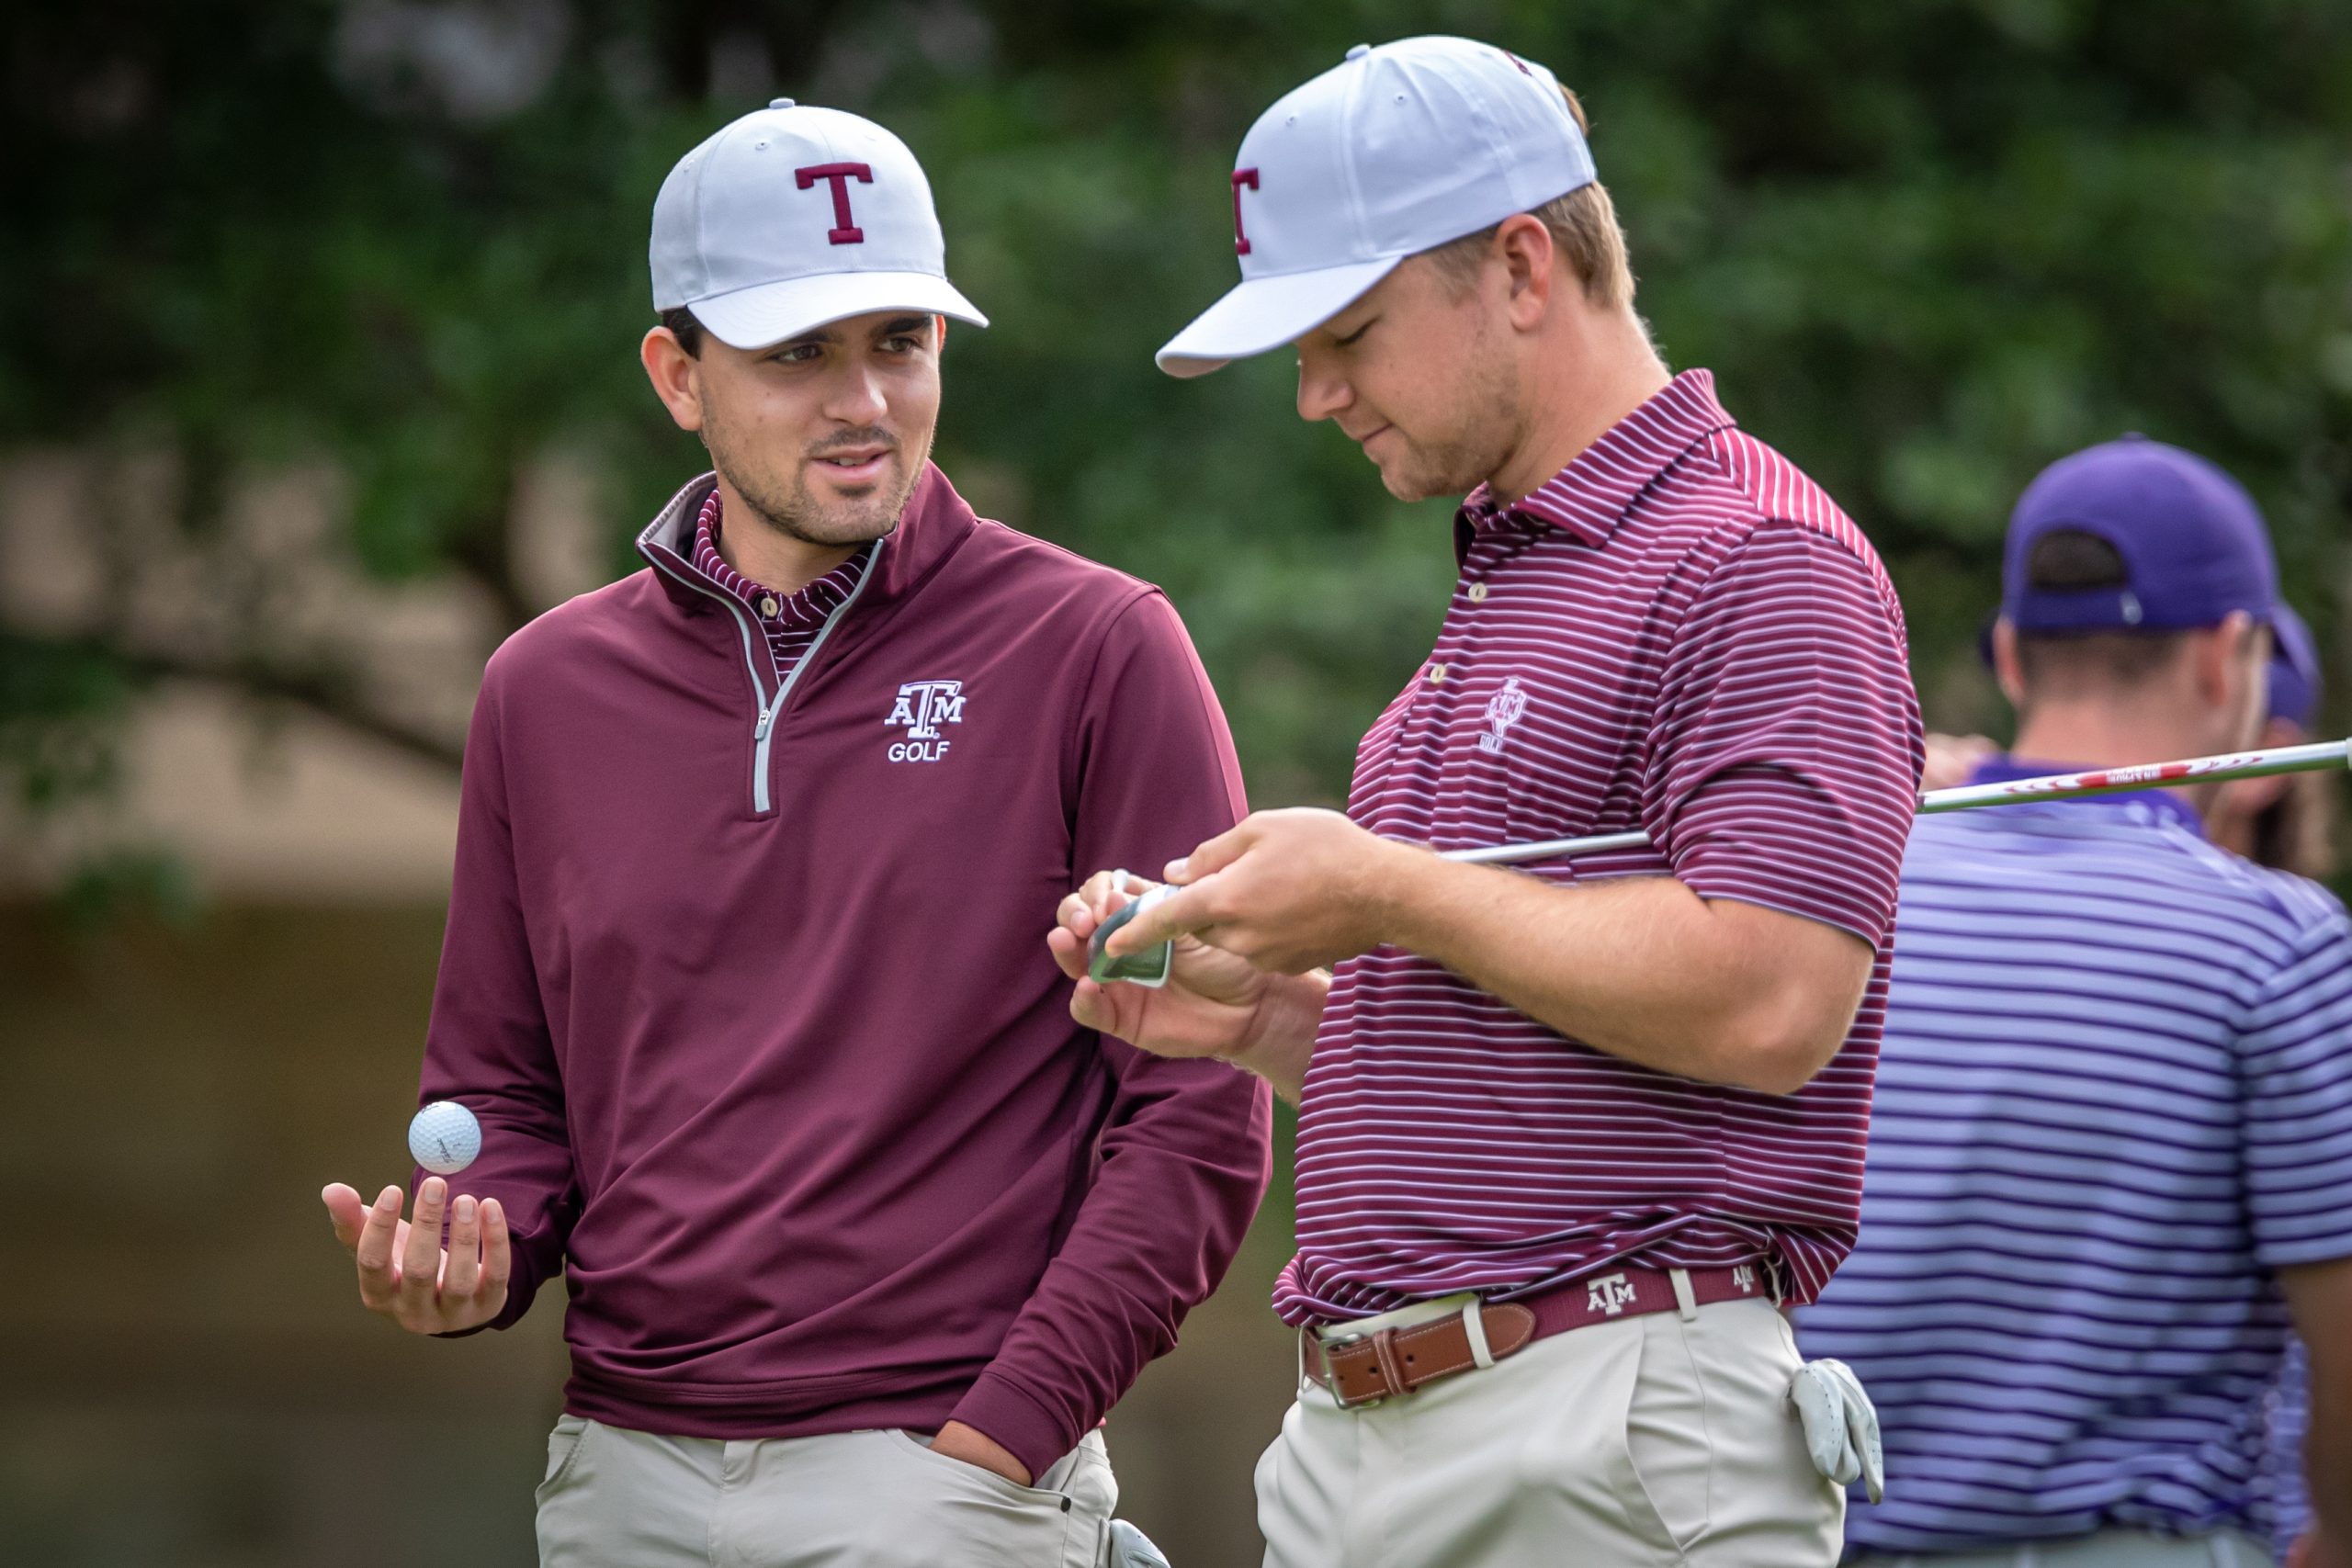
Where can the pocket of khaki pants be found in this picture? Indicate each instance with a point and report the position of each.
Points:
(563, 1451)
(1572, 1396)
(1016, 1523)
(1667, 1431)
(971, 1474)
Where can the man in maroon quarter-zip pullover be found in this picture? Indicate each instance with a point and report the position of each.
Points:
(743, 978)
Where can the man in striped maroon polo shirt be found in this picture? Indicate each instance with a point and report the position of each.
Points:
(1622, 1096)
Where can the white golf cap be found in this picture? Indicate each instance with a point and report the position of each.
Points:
(791, 218)
(1398, 150)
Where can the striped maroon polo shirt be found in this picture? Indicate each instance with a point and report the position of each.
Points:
(790, 620)
(1678, 633)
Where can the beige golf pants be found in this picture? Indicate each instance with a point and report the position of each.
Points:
(1651, 1440)
(617, 1499)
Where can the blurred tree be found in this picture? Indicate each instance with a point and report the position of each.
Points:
(1926, 246)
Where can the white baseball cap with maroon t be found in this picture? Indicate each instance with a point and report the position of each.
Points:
(791, 218)
(1395, 151)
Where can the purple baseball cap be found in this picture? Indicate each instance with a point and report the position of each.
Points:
(2294, 669)
(2193, 543)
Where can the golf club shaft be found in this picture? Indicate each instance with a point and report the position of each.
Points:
(2017, 791)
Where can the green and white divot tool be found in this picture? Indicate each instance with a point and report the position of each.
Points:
(1148, 968)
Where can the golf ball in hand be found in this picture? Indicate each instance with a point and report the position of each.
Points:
(445, 1138)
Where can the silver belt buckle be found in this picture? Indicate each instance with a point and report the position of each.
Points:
(1331, 1379)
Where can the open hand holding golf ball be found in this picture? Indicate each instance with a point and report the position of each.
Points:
(406, 1271)
(445, 1138)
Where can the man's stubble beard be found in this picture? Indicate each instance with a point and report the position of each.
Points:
(1491, 426)
(788, 506)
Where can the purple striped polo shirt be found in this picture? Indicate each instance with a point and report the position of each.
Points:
(1678, 633)
(791, 620)
(2115, 1101)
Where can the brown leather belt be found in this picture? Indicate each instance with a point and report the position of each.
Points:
(1398, 1361)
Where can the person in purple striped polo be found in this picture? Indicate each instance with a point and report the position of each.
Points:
(2286, 821)
(1565, 1137)
(2111, 1160)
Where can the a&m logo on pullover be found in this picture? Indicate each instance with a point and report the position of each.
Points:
(922, 707)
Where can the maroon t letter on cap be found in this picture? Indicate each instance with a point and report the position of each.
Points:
(1242, 177)
(843, 233)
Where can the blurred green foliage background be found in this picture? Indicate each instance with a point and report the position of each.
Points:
(1927, 245)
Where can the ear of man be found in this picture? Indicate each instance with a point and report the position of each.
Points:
(673, 366)
(1523, 245)
(2224, 656)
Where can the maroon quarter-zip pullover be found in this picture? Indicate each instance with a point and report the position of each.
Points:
(748, 984)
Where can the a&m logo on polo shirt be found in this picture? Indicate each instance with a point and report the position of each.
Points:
(922, 707)
(1504, 709)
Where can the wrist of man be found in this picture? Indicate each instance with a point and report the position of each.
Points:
(1009, 1415)
(1283, 1026)
(1407, 892)
(975, 1448)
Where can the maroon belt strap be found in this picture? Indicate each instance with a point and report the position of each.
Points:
(1398, 1361)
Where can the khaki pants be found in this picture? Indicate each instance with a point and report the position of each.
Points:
(2107, 1549)
(872, 1499)
(1652, 1440)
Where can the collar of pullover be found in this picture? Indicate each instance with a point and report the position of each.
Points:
(936, 521)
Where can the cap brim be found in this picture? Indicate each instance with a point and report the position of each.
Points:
(1263, 313)
(771, 312)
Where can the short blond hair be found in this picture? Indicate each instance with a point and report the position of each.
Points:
(1584, 229)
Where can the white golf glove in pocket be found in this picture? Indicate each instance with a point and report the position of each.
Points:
(1840, 1424)
(1130, 1548)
